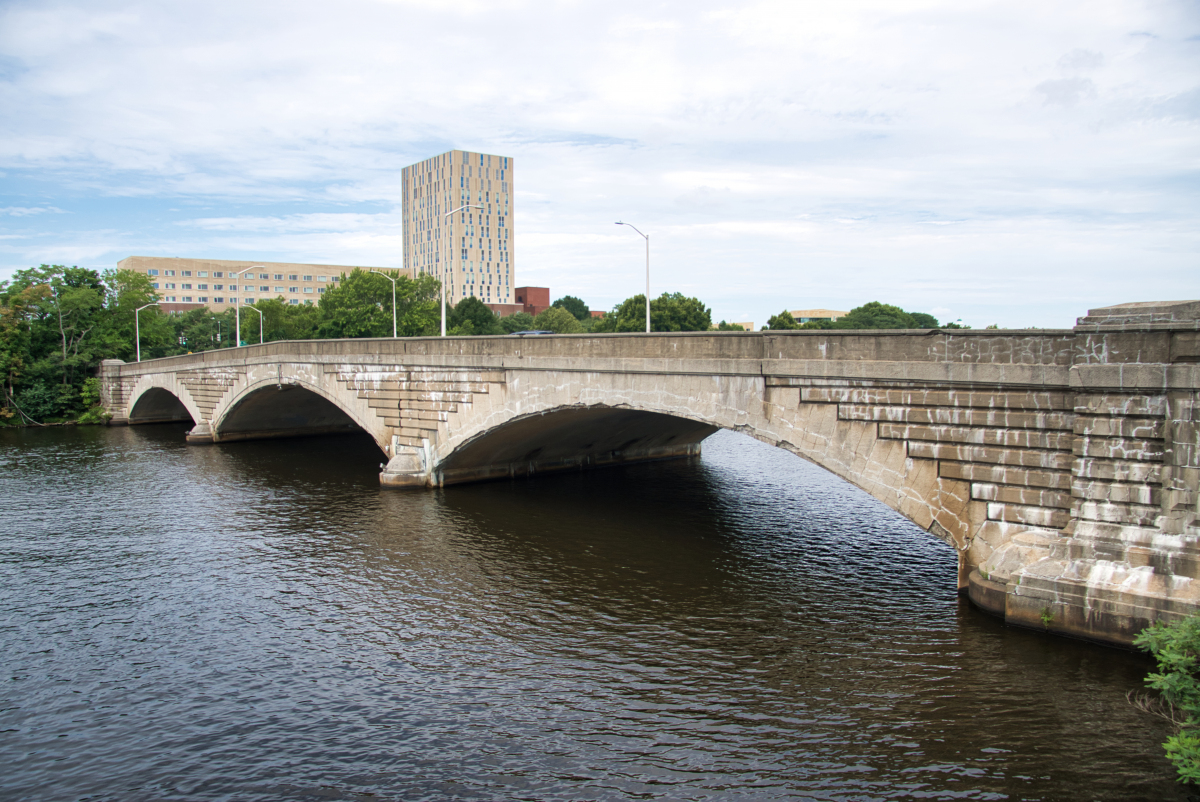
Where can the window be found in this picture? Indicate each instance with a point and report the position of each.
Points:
(187, 299)
(278, 276)
(295, 301)
(218, 286)
(233, 288)
(169, 285)
(151, 272)
(248, 300)
(154, 285)
(263, 276)
(202, 274)
(186, 287)
(293, 277)
(320, 290)
(203, 299)
(202, 286)
(218, 274)
(308, 278)
(308, 301)
(308, 289)
(322, 278)
(168, 272)
(264, 289)
(293, 289)
(186, 273)
(169, 298)
(217, 299)
(279, 289)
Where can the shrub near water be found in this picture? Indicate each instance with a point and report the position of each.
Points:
(1176, 647)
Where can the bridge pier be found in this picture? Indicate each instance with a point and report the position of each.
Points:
(200, 434)
(406, 468)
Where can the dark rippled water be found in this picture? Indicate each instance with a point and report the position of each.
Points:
(260, 621)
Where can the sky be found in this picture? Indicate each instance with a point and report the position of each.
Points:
(1012, 163)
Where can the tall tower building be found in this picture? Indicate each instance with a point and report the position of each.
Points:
(471, 252)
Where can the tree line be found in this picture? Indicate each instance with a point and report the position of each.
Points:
(58, 323)
(874, 315)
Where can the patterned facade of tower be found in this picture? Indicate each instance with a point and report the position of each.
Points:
(471, 250)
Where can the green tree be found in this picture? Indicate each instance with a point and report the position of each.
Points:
(58, 334)
(472, 316)
(1176, 648)
(877, 316)
(17, 306)
(723, 326)
(283, 321)
(558, 320)
(89, 396)
(361, 306)
(126, 291)
(782, 322)
(520, 321)
(575, 306)
(668, 312)
(924, 321)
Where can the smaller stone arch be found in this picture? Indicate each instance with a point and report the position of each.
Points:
(287, 407)
(161, 399)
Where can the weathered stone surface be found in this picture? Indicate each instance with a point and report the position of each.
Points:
(1062, 464)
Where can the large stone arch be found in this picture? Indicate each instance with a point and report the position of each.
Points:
(149, 401)
(499, 434)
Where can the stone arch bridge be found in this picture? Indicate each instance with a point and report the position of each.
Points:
(1062, 465)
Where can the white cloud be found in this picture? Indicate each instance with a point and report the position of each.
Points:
(26, 211)
(1005, 160)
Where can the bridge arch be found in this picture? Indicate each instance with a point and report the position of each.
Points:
(563, 420)
(288, 406)
(569, 437)
(161, 399)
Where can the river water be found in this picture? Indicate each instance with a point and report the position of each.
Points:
(259, 621)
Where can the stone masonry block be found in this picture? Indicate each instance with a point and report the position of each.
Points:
(1006, 475)
(1122, 448)
(1059, 460)
(1013, 438)
(1026, 496)
(1118, 470)
(1117, 492)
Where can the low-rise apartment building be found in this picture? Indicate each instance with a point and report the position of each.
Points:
(810, 315)
(185, 284)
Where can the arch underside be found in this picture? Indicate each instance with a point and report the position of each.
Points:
(157, 405)
(566, 438)
(285, 410)
(572, 438)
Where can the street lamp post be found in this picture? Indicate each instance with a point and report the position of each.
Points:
(389, 278)
(137, 328)
(448, 214)
(647, 238)
(260, 322)
(237, 304)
